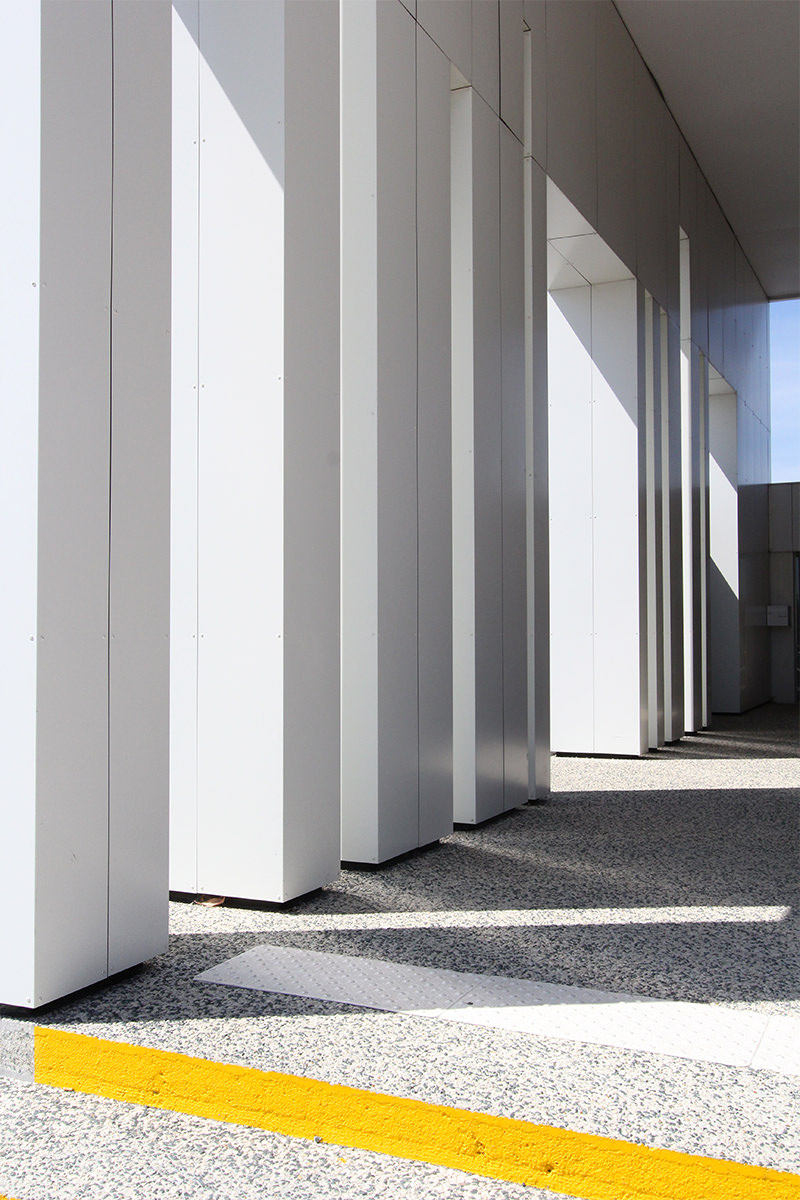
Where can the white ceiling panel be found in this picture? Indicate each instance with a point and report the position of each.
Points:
(729, 71)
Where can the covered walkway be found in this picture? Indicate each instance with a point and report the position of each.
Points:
(671, 878)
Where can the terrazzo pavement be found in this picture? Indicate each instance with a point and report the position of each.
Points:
(674, 876)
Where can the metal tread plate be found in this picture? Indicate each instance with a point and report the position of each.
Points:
(702, 1032)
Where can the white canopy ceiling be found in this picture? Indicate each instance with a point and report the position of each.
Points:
(729, 71)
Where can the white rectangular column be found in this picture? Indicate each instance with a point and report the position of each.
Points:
(704, 536)
(538, 533)
(693, 522)
(489, 466)
(255, 611)
(620, 615)
(140, 485)
(434, 516)
(513, 464)
(478, 768)
(396, 624)
(723, 584)
(689, 497)
(184, 447)
(654, 431)
(598, 511)
(569, 353)
(673, 532)
(85, 479)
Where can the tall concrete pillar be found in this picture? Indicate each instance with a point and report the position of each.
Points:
(694, 504)
(599, 510)
(84, 491)
(536, 409)
(255, 455)
(674, 719)
(489, 481)
(657, 574)
(396, 574)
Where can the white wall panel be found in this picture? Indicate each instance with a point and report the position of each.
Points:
(753, 535)
(724, 551)
(727, 267)
(20, 82)
(673, 531)
(571, 539)
(267, 586)
(487, 367)
(655, 538)
(598, 580)
(536, 82)
(138, 693)
(62, 674)
(184, 448)
(434, 443)
(397, 758)
(398, 820)
(750, 336)
(696, 614)
(74, 433)
(651, 187)
(736, 322)
(311, 447)
(644, 632)
(685, 391)
(689, 423)
(485, 77)
(512, 315)
(721, 280)
(463, 456)
(741, 359)
(240, 521)
(571, 82)
(699, 269)
(616, 135)
(704, 533)
(672, 217)
(449, 24)
(687, 189)
(487, 418)
(536, 300)
(477, 470)
(511, 70)
(618, 620)
(359, 373)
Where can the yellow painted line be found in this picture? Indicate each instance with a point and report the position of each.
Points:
(577, 1164)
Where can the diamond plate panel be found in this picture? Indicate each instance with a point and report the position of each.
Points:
(701, 1032)
(344, 979)
(695, 1031)
(779, 1049)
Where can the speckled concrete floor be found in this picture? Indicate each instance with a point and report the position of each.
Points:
(675, 876)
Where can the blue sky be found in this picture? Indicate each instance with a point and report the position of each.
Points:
(784, 325)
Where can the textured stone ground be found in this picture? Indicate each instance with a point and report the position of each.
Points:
(674, 876)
